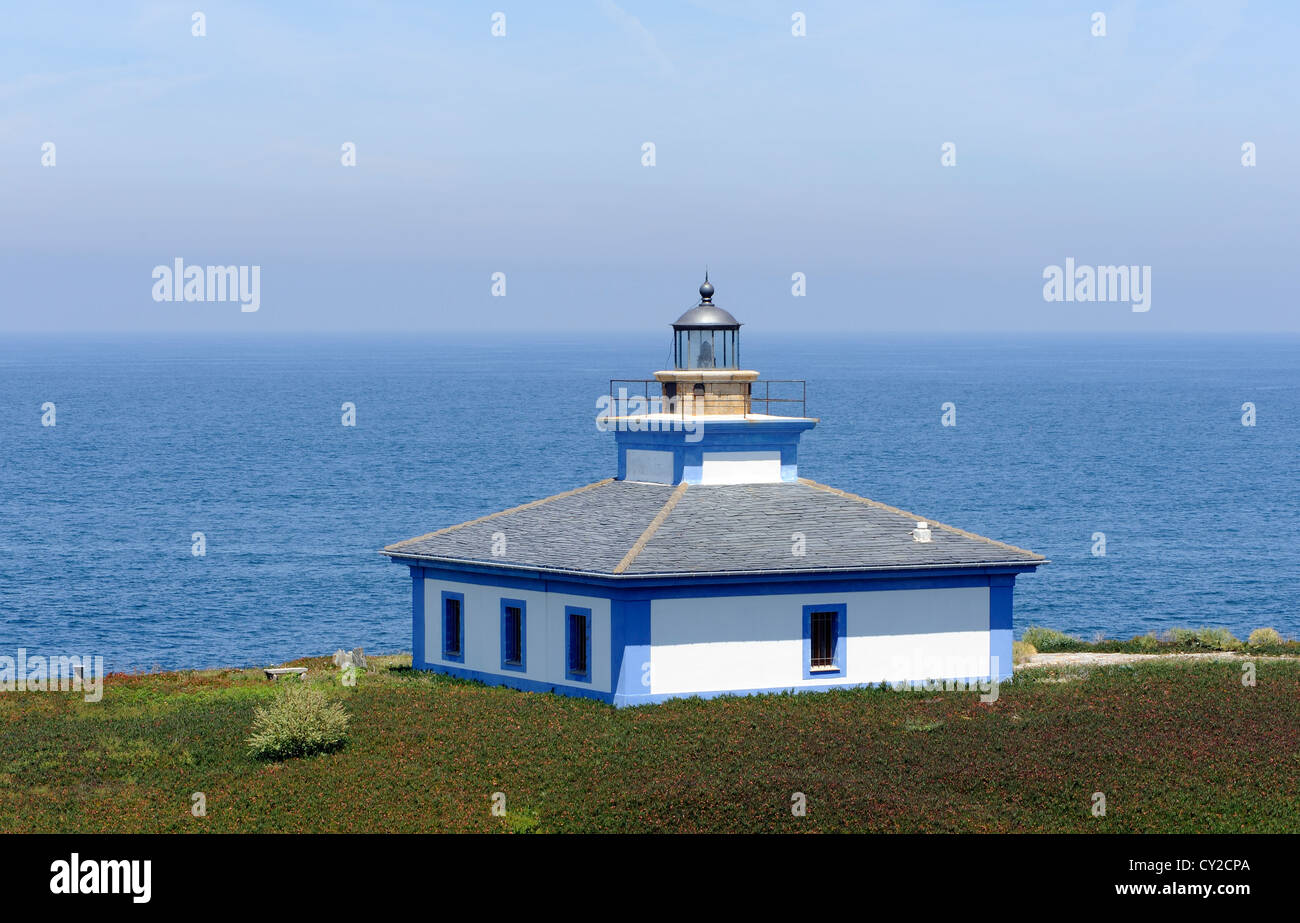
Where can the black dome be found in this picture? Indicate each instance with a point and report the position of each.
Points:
(706, 315)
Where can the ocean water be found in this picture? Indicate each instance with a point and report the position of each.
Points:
(1057, 438)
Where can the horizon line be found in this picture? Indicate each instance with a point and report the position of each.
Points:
(587, 333)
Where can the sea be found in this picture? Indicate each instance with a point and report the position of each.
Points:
(1159, 474)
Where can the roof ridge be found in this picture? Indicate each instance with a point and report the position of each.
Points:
(917, 518)
(639, 545)
(513, 509)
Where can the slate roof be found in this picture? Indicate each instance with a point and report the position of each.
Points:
(628, 529)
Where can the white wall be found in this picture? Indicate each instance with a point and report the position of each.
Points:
(741, 468)
(756, 642)
(543, 626)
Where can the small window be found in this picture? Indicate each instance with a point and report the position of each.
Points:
(823, 641)
(453, 627)
(514, 639)
(513, 634)
(577, 637)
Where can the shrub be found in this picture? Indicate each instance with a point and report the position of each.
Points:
(1049, 639)
(299, 722)
(1021, 651)
(1262, 637)
(1220, 639)
(1214, 639)
(1145, 644)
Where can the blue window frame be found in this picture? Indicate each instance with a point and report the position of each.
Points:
(577, 643)
(824, 640)
(514, 635)
(453, 627)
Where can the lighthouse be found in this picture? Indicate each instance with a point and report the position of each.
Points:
(707, 420)
(704, 565)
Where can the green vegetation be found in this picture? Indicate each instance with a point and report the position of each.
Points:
(1265, 637)
(300, 722)
(1213, 639)
(1174, 745)
(1175, 641)
(1021, 651)
(1049, 639)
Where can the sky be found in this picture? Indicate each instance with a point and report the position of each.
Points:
(774, 154)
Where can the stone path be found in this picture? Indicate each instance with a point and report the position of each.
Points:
(1096, 659)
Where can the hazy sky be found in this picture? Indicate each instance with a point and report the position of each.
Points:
(775, 154)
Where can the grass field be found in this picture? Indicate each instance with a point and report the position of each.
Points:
(1174, 746)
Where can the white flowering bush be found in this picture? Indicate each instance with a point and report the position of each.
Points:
(299, 722)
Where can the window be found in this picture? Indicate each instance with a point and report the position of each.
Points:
(824, 640)
(453, 627)
(706, 348)
(513, 635)
(577, 643)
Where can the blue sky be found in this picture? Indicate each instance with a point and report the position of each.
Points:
(775, 154)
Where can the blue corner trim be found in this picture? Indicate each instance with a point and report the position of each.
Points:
(520, 666)
(570, 672)
(1000, 664)
(453, 656)
(1000, 604)
(630, 646)
(840, 640)
(1001, 593)
(417, 618)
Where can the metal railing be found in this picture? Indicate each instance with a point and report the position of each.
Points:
(621, 396)
(767, 400)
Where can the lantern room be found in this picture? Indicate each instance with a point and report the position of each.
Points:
(706, 336)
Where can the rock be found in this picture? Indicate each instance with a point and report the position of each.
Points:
(353, 658)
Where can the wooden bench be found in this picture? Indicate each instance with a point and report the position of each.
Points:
(277, 672)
